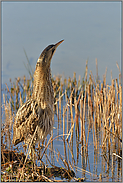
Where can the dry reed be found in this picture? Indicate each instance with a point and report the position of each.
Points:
(91, 109)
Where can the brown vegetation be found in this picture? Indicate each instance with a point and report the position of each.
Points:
(85, 108)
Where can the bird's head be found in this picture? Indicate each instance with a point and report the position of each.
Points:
(47, 54)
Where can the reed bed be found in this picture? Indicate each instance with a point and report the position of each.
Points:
(87, 113)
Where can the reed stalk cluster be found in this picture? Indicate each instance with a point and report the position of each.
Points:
(83, 110)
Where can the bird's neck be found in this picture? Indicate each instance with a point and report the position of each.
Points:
(43, 90)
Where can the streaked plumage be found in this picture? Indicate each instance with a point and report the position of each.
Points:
(37, 111)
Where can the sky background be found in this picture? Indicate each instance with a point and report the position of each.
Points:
(90, 30)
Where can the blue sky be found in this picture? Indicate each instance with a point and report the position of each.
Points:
(90, 29)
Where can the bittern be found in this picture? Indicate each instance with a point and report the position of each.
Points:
(34, 118)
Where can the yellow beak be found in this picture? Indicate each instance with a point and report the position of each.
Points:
(57, 44)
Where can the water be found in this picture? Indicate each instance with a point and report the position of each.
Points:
(90, 162)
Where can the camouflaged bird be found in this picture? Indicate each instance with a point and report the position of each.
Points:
(36, 113)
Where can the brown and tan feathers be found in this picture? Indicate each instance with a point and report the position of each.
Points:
(25, 122)
(36, 111)
(42, 88)
(27, 118)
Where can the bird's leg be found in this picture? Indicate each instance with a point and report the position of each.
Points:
(32, 156)
(34, 160)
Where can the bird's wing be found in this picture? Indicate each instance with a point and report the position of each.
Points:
(25, 122)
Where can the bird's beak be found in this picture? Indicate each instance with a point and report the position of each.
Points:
(57, 44)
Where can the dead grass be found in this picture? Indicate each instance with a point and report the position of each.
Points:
(85, 108)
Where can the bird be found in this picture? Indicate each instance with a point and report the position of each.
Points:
(34, 119)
